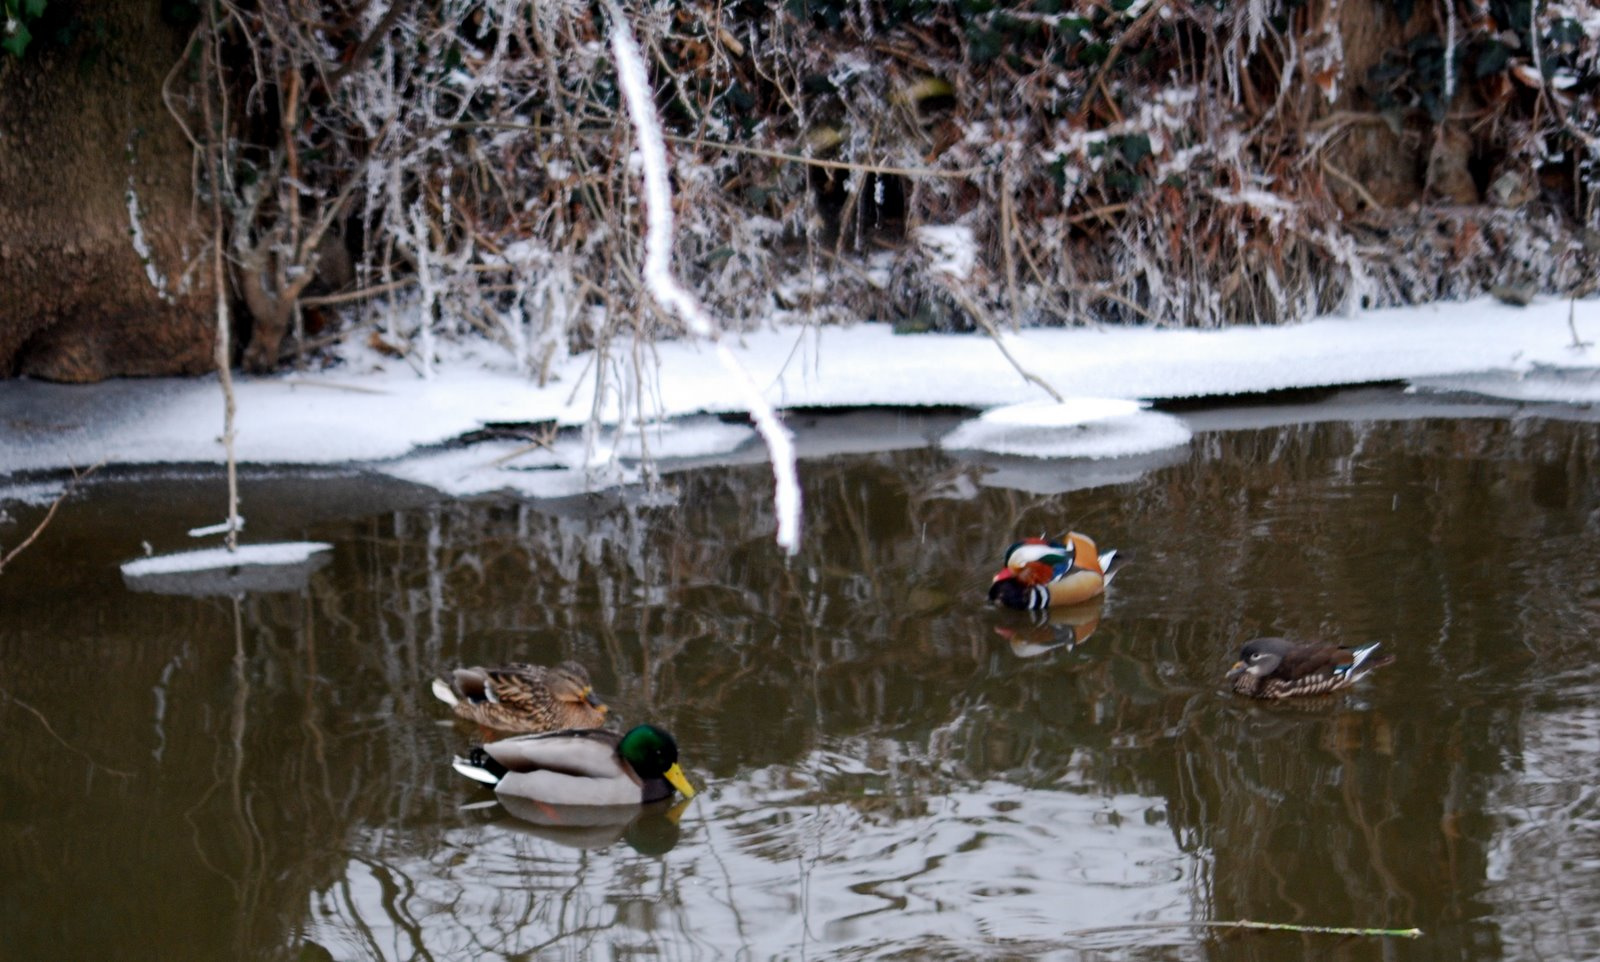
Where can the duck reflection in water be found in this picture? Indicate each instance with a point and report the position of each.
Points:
(649, 830)
(1035, 633)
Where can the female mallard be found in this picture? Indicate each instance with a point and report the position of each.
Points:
(523, 698)
(1042, 573)
(591, 767)
(1278, 668)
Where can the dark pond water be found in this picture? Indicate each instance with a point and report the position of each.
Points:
(890, 769)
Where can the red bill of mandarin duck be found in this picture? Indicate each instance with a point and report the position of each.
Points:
(1043, 573)
(1279, 668)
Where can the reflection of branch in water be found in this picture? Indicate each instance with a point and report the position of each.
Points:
(250, 833)
(64, 743)
(38, 529)
(394, 898)
(1249, 924)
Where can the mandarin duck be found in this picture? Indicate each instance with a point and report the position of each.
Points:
(523, 698)
(590, 767)
(1278, 668)
(1041, 573)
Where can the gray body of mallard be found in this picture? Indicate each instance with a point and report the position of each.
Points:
(590, 767)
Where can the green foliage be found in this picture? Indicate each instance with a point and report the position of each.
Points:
(1124, 153)
(18, 15)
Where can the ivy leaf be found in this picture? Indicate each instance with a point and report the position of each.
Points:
(1493, 59)
(1093, 54)
(18, 41)
(32, 9)
(1135, 147)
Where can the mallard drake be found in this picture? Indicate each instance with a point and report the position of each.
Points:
(523, 698)
(1041, 573)
(1278, 668)
(589, 767)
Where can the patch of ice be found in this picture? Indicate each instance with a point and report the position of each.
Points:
(688, 438)
(953, 249)
(32, 495)
(1541, 383)
(1066, 413)
(1079, 428)
(253, 569)
(280, 553)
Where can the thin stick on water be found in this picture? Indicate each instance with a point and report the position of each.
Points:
(671, 295)
(1412, 933)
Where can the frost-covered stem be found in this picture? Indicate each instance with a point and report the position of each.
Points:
(665, 287)
(427, 281)
(1450, 51)
(219, 279)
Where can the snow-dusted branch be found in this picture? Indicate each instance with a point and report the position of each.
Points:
(672, 295)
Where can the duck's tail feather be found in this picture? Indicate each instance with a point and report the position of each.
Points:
(443, 692)
(1365, 658)
(479, 767)
(1111, 562)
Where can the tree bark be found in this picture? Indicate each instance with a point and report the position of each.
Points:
(101, 251)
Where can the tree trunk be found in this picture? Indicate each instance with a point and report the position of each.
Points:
(101, 266)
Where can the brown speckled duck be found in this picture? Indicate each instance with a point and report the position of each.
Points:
(520, 698)
(1279, 668)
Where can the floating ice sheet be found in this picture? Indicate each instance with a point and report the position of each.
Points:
(280, 566)
(1076, 428)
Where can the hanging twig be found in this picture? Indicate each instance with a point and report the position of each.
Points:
(220, 281)
(982, 317)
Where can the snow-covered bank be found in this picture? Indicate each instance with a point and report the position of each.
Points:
(378, 410)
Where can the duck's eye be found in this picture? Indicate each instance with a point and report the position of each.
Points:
(1257, 655)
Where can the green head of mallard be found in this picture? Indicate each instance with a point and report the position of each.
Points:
(654, 754)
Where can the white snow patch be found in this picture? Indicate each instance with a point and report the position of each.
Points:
(1067, 413)
(952, 247)
(32, 495)
(376, 409)
(280, 553)
(1082, 428)
(1541, 384)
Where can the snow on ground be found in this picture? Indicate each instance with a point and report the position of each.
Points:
(378, 410)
